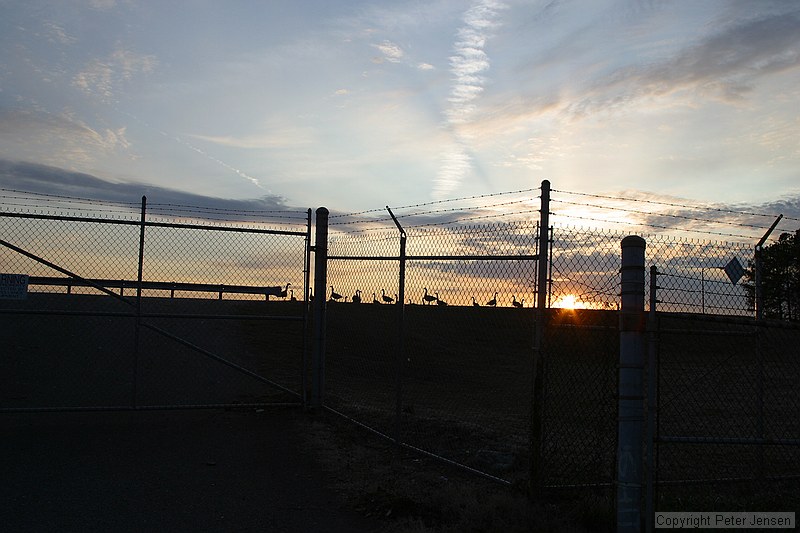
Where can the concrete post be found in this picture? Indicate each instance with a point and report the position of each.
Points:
(630, 417)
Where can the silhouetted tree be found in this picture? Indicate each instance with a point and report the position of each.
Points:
(780, 278)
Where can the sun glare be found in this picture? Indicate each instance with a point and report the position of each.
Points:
(569, 301)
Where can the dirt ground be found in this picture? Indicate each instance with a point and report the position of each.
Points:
(166, 471)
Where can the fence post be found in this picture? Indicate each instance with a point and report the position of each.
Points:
(652, 402)
(320, 306)
(137, 327)
(537, 409)
(400, 345)
(306, 305)
(630, 402)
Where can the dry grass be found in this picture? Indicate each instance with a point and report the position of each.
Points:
(412, 493)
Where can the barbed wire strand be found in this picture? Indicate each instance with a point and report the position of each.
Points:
(671, 204)
(437, 202)
(668, 215)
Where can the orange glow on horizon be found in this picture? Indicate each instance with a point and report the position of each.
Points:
(570, 301)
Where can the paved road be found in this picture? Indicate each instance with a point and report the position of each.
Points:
(164, 471)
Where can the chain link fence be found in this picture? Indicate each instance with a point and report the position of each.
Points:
(449, 372)
(728, 407)
(193, 329)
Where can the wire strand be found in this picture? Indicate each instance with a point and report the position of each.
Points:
(670, 204)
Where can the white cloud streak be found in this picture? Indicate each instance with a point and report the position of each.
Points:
(103, 77)
(390, 51)
(468, 65)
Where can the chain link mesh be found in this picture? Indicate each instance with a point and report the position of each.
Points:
(460, 369)
(75, 345)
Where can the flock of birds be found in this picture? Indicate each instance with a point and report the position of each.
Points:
(385, 299)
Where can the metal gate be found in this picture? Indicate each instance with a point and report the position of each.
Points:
(149, 312)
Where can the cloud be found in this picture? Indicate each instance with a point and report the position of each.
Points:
(56, 138)
(672, 215)
(281, 139)
(468, 66)
(104, 77)
(58, 35)
(103, 5)
(51, 180)
(391, 51)
(724, 66)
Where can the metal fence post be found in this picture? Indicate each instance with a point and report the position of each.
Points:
(306, 306)
(320, 307)
(400, 346)
(630, 416)
(138, 327)
(537, 409)
(652, 402)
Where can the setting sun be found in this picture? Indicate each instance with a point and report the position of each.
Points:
(569, 301)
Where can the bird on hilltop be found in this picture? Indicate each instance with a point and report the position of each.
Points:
(387, 299)
(335, 296)
(427, 298)
(439, 301)
(374, 299)
(493, 301)
(285, 291)
(475, 303)
(357, 297)
(515, 303)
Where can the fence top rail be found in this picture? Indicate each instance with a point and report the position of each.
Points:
(149, 223)
(520, 257)
(155, 285)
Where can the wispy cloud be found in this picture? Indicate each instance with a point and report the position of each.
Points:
(723, 65)
(389, 52)
(287, 138)
(56, 138)
(36, 178)
(103, 77)
(468, 66)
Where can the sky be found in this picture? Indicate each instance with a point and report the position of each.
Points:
(356, 105)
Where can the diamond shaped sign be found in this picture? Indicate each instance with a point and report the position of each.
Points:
(734, 270)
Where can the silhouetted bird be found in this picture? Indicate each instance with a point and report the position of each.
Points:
(474, 303)
(335, 295)
(439, 301)
(515, 303)
(493, 301)
(285, 291)
(374, 299)
(357, 297)
(292, 298)
(387, 299)
(427, 298)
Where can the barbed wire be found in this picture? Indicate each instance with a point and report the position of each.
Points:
(192, 208)
(45, 197)
(456, 209)
(642, 224)
(672, 204)
(669, 215)
(437, 202)
(32, 208)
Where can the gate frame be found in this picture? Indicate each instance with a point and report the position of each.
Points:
(138, 315)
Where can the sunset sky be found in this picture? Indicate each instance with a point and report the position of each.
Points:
(356, 105)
